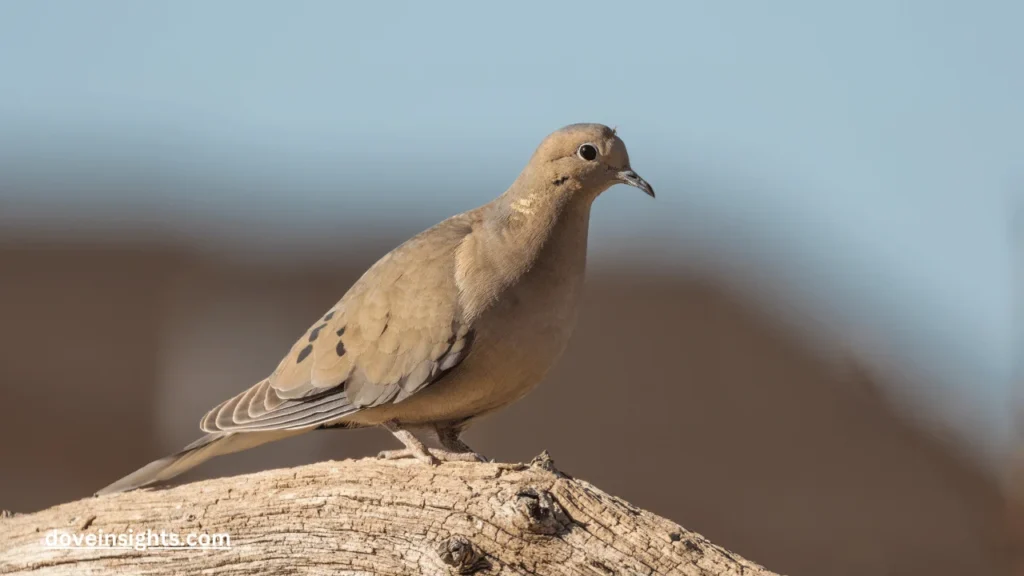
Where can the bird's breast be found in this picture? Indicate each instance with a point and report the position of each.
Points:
(516, 339)
(514, 345)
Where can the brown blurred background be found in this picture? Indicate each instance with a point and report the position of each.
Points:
(677, 394)
(802, 349)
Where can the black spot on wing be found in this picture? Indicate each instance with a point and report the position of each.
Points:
(340, 348)
(329, 315)
(304, 353)
(341, 331)
(315, 332)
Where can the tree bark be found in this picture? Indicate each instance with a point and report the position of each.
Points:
(371, 517)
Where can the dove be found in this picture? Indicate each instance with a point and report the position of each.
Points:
(453, 324)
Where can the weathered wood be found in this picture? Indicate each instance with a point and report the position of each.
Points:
(374, 517)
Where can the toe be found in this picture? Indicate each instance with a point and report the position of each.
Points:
(428, 458)
(393, 454)
(458, 456)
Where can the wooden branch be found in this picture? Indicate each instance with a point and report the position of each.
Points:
(372, 517)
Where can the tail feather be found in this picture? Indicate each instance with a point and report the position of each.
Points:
(209, 446)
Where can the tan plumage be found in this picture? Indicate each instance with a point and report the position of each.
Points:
(458, 321)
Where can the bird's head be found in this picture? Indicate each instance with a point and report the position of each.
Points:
(583, 159)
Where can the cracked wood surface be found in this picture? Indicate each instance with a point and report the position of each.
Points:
(375, 517)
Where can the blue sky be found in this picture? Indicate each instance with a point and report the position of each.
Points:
(867, 155)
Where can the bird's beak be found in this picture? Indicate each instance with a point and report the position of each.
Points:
(634, 179)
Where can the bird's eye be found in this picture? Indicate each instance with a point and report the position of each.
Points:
(587, 152)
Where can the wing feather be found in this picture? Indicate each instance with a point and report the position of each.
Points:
(398, 329)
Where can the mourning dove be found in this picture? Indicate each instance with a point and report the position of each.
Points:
(455, 323)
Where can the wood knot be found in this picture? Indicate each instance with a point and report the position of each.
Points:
(543, 514)
(459, 553)
(544, 461)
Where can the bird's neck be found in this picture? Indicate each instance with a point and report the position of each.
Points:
(531, 224)
(522, 236)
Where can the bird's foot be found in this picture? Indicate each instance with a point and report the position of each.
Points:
(420, 455)
(431, 456)
(449, 456)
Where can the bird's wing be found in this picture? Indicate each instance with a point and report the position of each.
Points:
(398, 329)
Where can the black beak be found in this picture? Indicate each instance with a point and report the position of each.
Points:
(634, 179)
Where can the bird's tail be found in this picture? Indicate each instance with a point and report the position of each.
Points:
(194, 454)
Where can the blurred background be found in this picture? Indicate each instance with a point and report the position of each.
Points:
(808, 348)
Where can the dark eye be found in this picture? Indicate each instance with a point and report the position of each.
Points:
(587, 152)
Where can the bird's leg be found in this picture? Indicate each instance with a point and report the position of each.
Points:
(413, 447)
(455, 450)
(448, 436)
